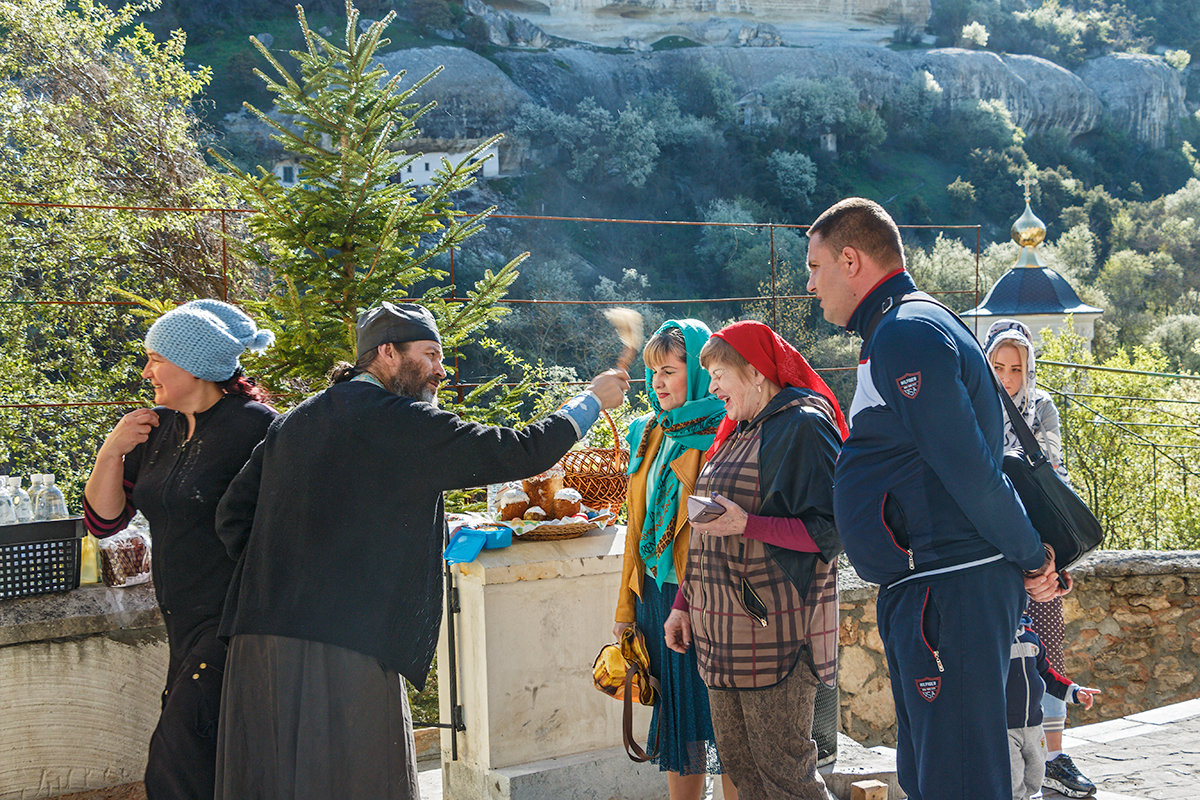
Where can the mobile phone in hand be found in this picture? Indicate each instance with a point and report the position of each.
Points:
(703, 509)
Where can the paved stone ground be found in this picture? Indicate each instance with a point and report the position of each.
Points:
(1153, 755)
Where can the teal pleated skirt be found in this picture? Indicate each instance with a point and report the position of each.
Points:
(687, 742)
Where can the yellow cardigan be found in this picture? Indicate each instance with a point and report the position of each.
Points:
(633, 570)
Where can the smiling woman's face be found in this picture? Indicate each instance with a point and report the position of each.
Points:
(173, 386)
(670, 382)
(734, 388)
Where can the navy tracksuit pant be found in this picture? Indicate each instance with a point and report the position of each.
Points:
(947, 639)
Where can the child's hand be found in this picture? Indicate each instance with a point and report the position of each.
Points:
(1085, 696)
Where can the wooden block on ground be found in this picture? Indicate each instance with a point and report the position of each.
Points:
(868, 790)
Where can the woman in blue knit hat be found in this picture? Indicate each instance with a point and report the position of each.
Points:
(173, 463)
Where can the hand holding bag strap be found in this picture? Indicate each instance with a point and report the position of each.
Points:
(632, 748)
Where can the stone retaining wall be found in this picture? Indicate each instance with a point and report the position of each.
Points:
(81, 677)
(1133, 631)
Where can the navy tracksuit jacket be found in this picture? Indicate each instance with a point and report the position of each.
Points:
(924, 510)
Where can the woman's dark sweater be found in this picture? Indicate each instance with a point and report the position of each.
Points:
(176, 483)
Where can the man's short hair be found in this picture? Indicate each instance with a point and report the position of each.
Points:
(862, 224)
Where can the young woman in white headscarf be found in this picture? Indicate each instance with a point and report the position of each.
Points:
(1009, 347)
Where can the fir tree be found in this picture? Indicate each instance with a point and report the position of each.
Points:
(354, 231)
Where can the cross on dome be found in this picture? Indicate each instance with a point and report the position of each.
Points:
(1028, 182)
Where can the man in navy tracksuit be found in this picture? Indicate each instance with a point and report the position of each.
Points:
(925, 511)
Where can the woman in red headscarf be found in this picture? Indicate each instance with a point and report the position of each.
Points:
(759, 599)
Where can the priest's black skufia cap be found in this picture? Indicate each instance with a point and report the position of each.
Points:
(394, 322)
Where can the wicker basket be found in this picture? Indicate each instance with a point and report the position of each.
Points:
(546, 533)
(598, 473)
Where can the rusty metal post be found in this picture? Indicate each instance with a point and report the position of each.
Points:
(460, 395)
(977, 241)
(774, 287)
(224, 259)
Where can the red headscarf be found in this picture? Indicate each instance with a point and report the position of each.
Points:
(779, 362)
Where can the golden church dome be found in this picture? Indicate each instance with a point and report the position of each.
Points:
(1028, 230)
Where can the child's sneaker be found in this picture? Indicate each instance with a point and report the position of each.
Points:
(1065, 778)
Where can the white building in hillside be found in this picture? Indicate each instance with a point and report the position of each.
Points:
(287, 170)
(754, 110)
(430, 154)
(422, 168)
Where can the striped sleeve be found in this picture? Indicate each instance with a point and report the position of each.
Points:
(100, 527)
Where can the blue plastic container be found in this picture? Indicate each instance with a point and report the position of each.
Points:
(498, 537)
(464, 545)
(466, 542)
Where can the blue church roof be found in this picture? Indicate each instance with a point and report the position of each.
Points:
(1031, 290)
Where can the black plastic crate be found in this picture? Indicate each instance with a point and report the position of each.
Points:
(40, 557)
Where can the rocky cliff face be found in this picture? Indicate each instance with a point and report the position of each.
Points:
(505, 28)
(1141, 94)
(1039, 94)
(474, 97)
(769, 10)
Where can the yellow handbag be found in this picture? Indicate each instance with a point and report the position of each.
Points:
(622, 671)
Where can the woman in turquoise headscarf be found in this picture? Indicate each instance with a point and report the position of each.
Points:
(667, 450)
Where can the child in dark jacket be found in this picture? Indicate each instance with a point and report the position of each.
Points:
(1029, 675)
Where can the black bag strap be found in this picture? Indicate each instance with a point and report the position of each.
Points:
(1032, 454)
(1029, 445)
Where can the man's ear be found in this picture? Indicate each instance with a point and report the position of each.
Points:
(389, 353)
(853, 258)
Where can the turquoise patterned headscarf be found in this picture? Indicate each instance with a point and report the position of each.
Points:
(689, 427)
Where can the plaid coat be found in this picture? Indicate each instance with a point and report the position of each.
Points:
(755, 607)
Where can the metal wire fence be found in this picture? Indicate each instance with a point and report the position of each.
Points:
(1130, 440)
(768, 274)
(720, 271)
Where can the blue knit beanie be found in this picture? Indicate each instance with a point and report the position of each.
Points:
(206, 337)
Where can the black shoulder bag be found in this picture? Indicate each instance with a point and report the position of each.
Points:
(1058, 515)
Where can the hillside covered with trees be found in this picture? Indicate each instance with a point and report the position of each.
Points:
(1123, 215)
(1116, 207)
